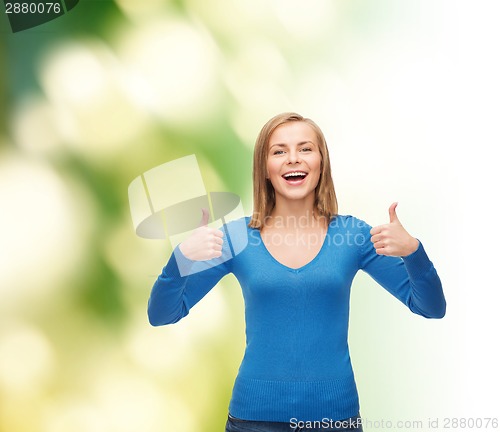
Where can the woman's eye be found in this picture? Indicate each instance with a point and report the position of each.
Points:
(305, 149)
(278, 152)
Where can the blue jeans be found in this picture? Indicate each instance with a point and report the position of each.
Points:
(352, 424)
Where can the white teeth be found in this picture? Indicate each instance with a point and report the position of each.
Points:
(294, 174)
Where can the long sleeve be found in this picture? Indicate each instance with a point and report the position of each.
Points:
(412, 279)
(173, 294)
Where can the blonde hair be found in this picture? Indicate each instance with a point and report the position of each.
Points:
(264, 199)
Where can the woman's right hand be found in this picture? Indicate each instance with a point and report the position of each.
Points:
(204, 243)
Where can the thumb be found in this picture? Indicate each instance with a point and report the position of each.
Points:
(392, 213)
(204, 217)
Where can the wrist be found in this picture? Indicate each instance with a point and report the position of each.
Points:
(413, 245)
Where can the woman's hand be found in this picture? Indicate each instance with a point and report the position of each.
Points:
(392, 239)
(204, 243)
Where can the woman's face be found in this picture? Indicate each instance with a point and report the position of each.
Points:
(293, 148)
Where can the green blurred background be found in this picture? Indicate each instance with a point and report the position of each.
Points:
(407, 95)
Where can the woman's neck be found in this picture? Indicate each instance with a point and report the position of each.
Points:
(294, 214)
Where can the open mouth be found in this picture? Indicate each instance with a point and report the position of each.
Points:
(295, 177)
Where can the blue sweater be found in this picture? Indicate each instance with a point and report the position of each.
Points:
(296, 362)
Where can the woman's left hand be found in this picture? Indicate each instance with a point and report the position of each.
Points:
(392, 239)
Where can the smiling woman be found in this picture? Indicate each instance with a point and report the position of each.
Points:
(294, 158)
(289, 142)
(296, 277)
(294, 151)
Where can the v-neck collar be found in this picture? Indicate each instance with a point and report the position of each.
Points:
(303, 267)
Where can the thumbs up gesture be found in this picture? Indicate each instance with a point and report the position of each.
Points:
(204, 243)
(392, 239)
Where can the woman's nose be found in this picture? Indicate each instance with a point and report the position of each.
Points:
(293, 157)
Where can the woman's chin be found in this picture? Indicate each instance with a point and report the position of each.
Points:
(295, 195)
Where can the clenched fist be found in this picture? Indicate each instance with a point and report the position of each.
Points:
(204, 243)
(392, 239)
